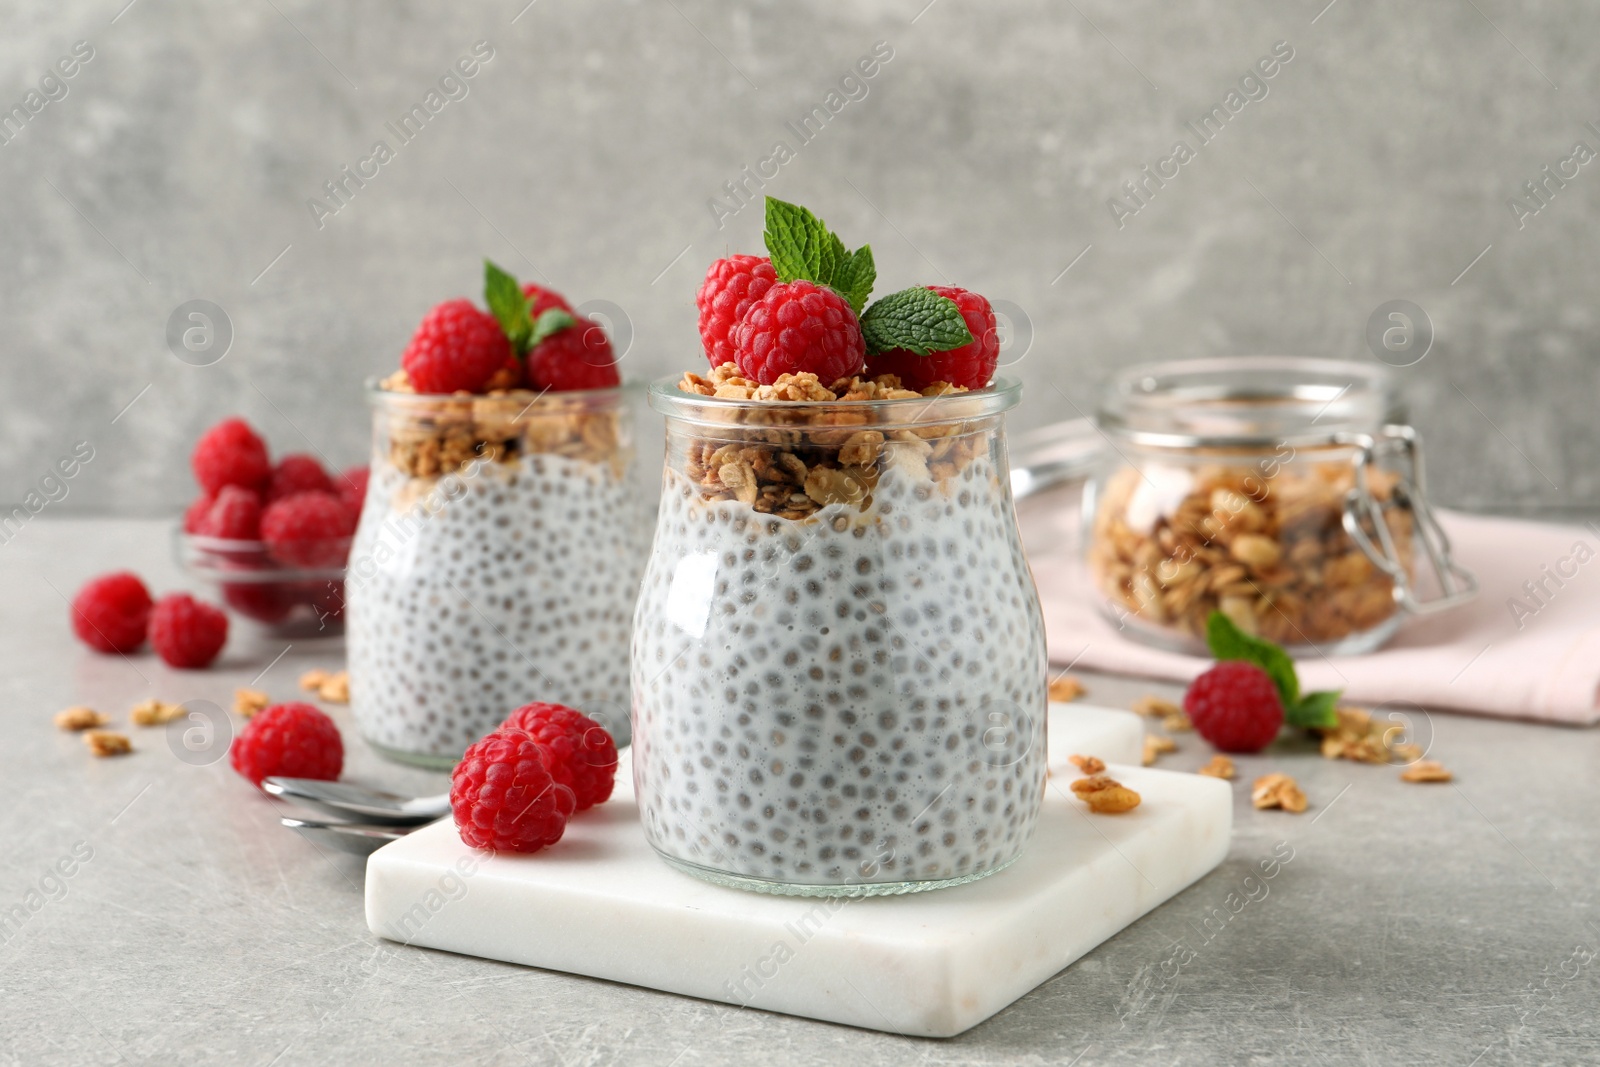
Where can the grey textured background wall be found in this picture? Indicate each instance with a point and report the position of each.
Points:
(1378, 166)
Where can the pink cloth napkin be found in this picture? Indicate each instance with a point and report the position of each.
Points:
(1541, 661)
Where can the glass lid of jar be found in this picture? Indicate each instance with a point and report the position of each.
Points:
(1247, 401)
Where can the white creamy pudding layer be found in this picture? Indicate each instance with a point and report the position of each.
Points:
(854, 697)
(472, 594)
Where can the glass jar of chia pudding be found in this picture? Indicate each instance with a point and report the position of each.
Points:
(838, 656)
(1285, 492)
(496, 562)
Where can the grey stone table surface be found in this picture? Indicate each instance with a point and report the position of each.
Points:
(1444, 924)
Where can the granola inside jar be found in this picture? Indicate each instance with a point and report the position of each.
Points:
(838, 659)
(1285, 493)
(496, 562)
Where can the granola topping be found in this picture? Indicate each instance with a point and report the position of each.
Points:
(247, 702)
(792, 462)
(1087, 764)
(1219, 766)
(447, 434)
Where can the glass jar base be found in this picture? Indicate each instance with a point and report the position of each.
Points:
(415, 759)
(1169, 640)
(793, 889)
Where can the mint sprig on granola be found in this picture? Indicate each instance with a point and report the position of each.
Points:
(514, 311)
(802, 246)
(918, 320)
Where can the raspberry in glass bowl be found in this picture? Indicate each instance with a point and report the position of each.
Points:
(253, 583)
(274, 543)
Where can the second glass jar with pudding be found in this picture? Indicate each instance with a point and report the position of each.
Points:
(496, 563)
(1284, 492)
(838, 660)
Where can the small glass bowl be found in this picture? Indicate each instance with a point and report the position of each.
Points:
(283, 599)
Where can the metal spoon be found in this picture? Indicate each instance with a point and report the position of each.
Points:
(346, 837)
(358, 802)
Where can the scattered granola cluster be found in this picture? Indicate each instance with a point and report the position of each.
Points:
(790, 462)
(1270, 553)
(1277, 791)
(1156, 746)
(1105, 796)
(103, 743)
(1173, 718)
(79, 717)
(331, 686)
(1090, 765)
(1065, 689)
(1426, 771)
(154, 712)
(1358, 737)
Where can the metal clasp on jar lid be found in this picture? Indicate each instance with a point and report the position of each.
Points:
(1456, 584)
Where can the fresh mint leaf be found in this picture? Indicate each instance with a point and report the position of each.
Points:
(799, 244)
(509, 307)
(917, 319)
(855, 276)
(1314, 709)
(551, 322)
(1227, 642)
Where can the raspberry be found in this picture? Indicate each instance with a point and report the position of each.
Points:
(327, 600)
(236, 515)
(197, 512)
(268, 602)
(352, 488)
(972, 365)
(542, 299)
(230, 453)
(308, 530)
(187, 632)
(112, 612)
(577, 750)
(504, 798)
(291, 741)
(578, 357)
(798, 326)
(297, 473)
(1235, 706)
(731, 286)
(456, 348)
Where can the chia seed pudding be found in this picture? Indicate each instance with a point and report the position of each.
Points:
(496, 563)
(838, 660)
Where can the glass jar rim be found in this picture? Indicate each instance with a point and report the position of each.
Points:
(1247, 401)
(1001, 395)
(548, 402)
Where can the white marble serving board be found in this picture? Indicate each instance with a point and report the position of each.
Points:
(601, 903)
